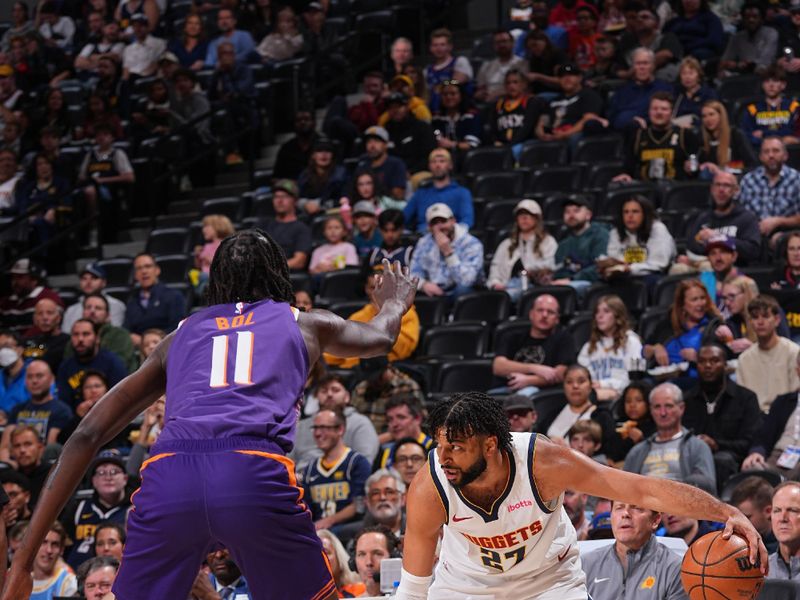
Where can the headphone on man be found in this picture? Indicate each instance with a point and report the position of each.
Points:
(392, 544)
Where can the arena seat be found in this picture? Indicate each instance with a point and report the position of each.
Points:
(173, 240)
(492, 306)
(538, 154)
(467, 339)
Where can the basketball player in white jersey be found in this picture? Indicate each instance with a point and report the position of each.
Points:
(499, 496)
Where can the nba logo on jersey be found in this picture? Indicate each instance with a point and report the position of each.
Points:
(239, 307)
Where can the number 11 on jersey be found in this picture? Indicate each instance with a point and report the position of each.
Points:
(243, 364)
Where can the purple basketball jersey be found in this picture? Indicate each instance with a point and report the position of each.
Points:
(236, 370)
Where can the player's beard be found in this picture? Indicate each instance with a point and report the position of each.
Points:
(472, 473)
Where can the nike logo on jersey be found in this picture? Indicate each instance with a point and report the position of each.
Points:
(601, 580)
(459, 519)
(564, 555)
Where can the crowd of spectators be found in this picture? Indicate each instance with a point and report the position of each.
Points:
(643, 310)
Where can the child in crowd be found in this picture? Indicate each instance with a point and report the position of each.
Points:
(337, 253)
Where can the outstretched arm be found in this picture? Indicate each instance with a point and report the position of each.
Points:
(103, 422)
(557, 469)
(425, 517)
(324, 331)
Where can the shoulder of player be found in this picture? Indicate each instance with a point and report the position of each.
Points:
(552, 464)
(422, 497)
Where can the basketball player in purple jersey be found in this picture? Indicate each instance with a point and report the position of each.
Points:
(218, 475)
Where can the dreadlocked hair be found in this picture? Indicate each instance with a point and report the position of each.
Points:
(249, 266)
(471, 413)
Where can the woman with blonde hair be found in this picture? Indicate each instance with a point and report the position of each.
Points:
(690, 92)
(694, 318)
(737, 292)
(215, 229)
(529, 252)
(347, 581)
(611, 347)
(724, 146)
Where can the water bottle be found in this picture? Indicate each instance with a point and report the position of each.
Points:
(694, 164)
(523, 275)
(346, 212)
(788, 53)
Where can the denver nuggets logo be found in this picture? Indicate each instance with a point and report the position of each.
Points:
(648, 583)
(239, 307)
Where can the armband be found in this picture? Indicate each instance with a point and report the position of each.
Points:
(412, 587)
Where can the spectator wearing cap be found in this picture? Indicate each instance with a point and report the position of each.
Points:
(152, 304)
(752, 49)
(526, 254)
(284, 42)
(727, 217)
(45, 413)
(416, 106)
(515, 115)
(411, 139)
(323, 181)
(492, 74)
(106, 173)
(292, 235)
(27, 288)
(407, 339)
(447, 260)
(390, 171)
(441, 189)
(577, 253)
(109, 503)
(56, 30)
(242, 41)
(85, 354)
(629, 106)
(12, 378)
(140, 58)
(367, 237)
(521, 413)
(575, 110)
(109, 45)
(661, 150)
(45, 339)
(318, 35)
(722, 255)
(93, 279)
(772, 191)
(294, 154)
(666, 48)
(636, 561)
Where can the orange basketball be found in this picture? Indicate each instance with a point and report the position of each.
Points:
(718, 569)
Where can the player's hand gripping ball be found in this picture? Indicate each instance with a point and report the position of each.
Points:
(718, 569)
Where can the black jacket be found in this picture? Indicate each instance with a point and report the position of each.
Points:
(734, 423)
(773, 424)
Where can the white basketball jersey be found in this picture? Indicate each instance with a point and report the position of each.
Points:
(521, 549)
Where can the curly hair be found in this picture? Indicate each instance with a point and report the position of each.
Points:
(469, 414)
(249, 266)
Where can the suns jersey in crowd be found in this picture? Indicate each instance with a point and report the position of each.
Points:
(330, 488)
(522, 548)
(236, 371)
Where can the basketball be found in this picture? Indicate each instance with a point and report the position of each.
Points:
(718, 569)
